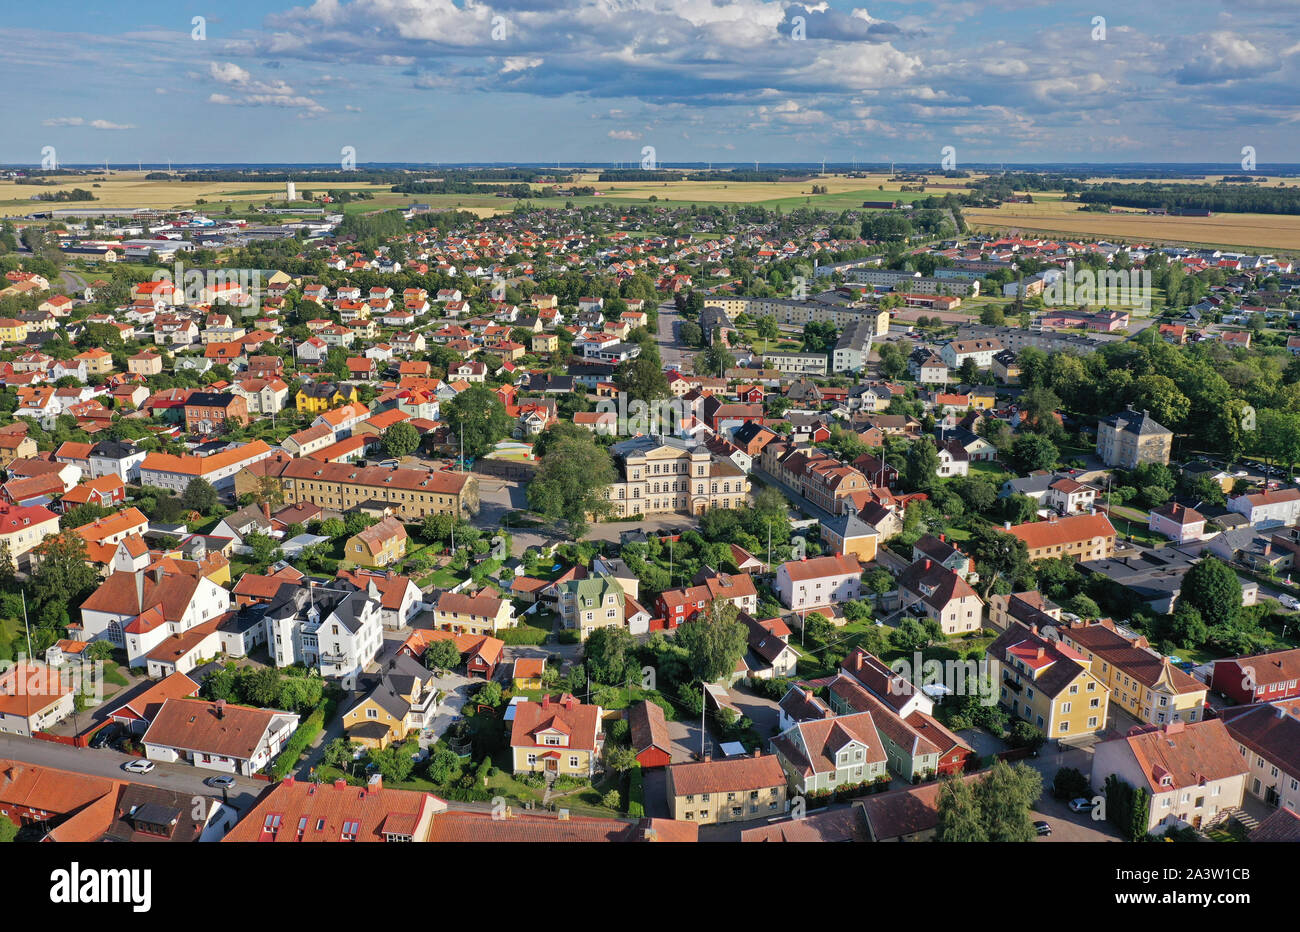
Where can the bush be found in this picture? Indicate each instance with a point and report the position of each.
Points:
(1070, 783)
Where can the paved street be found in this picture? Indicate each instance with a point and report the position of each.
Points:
(184, 778)
(666, 336)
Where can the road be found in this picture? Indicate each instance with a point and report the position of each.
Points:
(184, 778)
(666, 336)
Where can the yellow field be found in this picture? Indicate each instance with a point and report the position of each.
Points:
(123, 189)
(1048, 215)
(1059, 218)
(741, 192)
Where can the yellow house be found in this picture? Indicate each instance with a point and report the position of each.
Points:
(849, 534)
(545, 343)
(1144, 683)
(1048, 684)
(556, 736)
(319, 397)
(473, 613)
(379, 545)
(98, 361)
(527, 672)
(736, 789)
(12, 330)
(402, 702)
(982, 399)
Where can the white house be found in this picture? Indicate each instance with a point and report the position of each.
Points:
(1180, 524)
(1280, 506)
(819, 582)
(336, 629)
(217, 735)
(139, 609)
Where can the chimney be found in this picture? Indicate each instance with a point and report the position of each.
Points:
(266, 510)
(546, 701)
(758, 752)
(927, 564)
(943, 537)
(569, 702)
(220, 706)
(340, 783)
(288, 780)
(1040, 652)
(1006, 525)
(375, 783)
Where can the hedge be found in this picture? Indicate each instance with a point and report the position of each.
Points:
(635, 794)
(307, 731)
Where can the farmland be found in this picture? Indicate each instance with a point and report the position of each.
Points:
(1051, 215)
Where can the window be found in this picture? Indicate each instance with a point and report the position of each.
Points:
(350, 830)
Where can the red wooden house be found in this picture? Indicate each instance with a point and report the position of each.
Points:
(649, 733)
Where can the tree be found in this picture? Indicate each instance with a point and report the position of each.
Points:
(394, 762)
(1188, 627)
(767, 329)
(641, 379)
(62, 576)
(571, 483)
(338, 753)
(477, 417)
(818, 628)
(714, 360)
(960, 819)
(608, 654)
(1212, 588)
(402, 439)
(1034, 451)
(489, 694)
(1007, 796)
(443, 766)
(920, 472)
(200, 496)
(714, 642)
(442, 655)
(997, 554)
(620, 758)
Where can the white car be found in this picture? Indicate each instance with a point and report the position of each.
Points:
(1290, 602)
(138, 766)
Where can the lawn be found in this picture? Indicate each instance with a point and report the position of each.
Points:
(441, 578)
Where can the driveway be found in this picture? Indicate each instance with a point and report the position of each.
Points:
(457, 689)
(763, 712)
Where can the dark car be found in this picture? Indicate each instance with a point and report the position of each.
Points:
(104, 737)
(1043, 828)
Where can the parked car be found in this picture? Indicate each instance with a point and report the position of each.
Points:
(1043, 828)
(138, 766)
(104, 737)
(1081, 805)
(1289, 601)
(222, 781)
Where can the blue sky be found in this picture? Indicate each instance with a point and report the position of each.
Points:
(699, 80)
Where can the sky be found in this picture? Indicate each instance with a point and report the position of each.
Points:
(694, 80)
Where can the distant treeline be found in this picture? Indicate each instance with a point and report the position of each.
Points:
(517, 191)
(359, 175)
(738, 174)
(76, 194)
(1246, 199)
